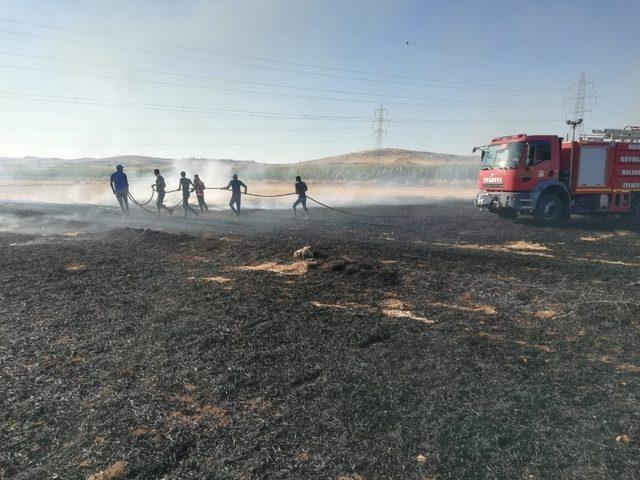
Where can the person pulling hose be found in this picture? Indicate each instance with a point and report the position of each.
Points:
(120, 188)
(301, 190)
(235, 201)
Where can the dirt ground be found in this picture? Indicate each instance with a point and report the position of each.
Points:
(447, 345)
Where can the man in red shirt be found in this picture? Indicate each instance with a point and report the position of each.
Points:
(199, 188)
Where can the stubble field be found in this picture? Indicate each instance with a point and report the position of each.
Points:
(445, 345)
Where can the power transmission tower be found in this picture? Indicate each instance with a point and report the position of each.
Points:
(578, 102)
(379, 124)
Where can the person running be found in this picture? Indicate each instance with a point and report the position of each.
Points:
(120, 187)
(235, 185)
(199, 187)
(185, 186)
(160, 187)
(301, 190)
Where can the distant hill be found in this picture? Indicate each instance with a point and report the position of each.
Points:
(389, 165)
(394, 156)
(387, 156)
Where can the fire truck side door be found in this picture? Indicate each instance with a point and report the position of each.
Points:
(593, 166)
(538, 162)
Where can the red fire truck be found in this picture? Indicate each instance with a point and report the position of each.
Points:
(544, 176)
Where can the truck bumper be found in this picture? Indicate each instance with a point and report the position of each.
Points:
(520, 202)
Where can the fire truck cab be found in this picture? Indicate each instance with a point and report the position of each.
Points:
(550, 179)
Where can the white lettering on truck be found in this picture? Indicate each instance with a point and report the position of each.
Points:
(629, 159)
(492, 180)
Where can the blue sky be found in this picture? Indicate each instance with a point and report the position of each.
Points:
(286, 80)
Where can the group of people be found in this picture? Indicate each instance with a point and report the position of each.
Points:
(120, 187)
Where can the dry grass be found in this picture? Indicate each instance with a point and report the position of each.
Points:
(303, 456)
(340, 306)
(216, 279)
(596, 238)
(141, 430)
(524, 245)
(396, 308)
(542, 348)
(295, 268)
(501, 248)
(75, 267)
(478, 308)
(114, 471)
(198, 413)
(606, 262)
(546, 313)
(396, 313)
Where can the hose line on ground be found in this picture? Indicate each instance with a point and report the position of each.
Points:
(142, 206)
(346, 212)
(153, 193)
(328, 207)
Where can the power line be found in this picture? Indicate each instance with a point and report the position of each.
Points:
(253, 92)
(171, 108)
(622, 105)
(287, 70)
(183, 144)
(265, 84)
(226, 111)
(250, 57)
(36, 126)
(614, 112)
(482, 122)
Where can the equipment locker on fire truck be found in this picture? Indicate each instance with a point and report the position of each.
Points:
(593, 165)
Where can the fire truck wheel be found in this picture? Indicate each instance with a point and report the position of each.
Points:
(634, 213)
(549, 209)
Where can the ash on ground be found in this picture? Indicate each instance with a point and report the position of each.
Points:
(449, 345)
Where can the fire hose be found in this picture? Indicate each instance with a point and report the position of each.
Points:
(328, 207)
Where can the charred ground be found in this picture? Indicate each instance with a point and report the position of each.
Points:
(452, 345)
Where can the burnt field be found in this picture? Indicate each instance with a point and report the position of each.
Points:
(449, 345)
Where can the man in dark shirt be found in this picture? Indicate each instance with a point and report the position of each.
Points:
(120, 187)
(301, 190)
(235, 185)
(160, 187)
(185, 186)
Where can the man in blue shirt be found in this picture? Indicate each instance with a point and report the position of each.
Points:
(120, 187)
(235, 185)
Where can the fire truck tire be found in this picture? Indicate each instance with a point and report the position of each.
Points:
(549, 210)
(634, 213)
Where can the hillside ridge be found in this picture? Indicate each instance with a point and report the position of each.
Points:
(385, 156)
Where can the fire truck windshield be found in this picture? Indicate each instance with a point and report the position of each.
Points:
(503, 155)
